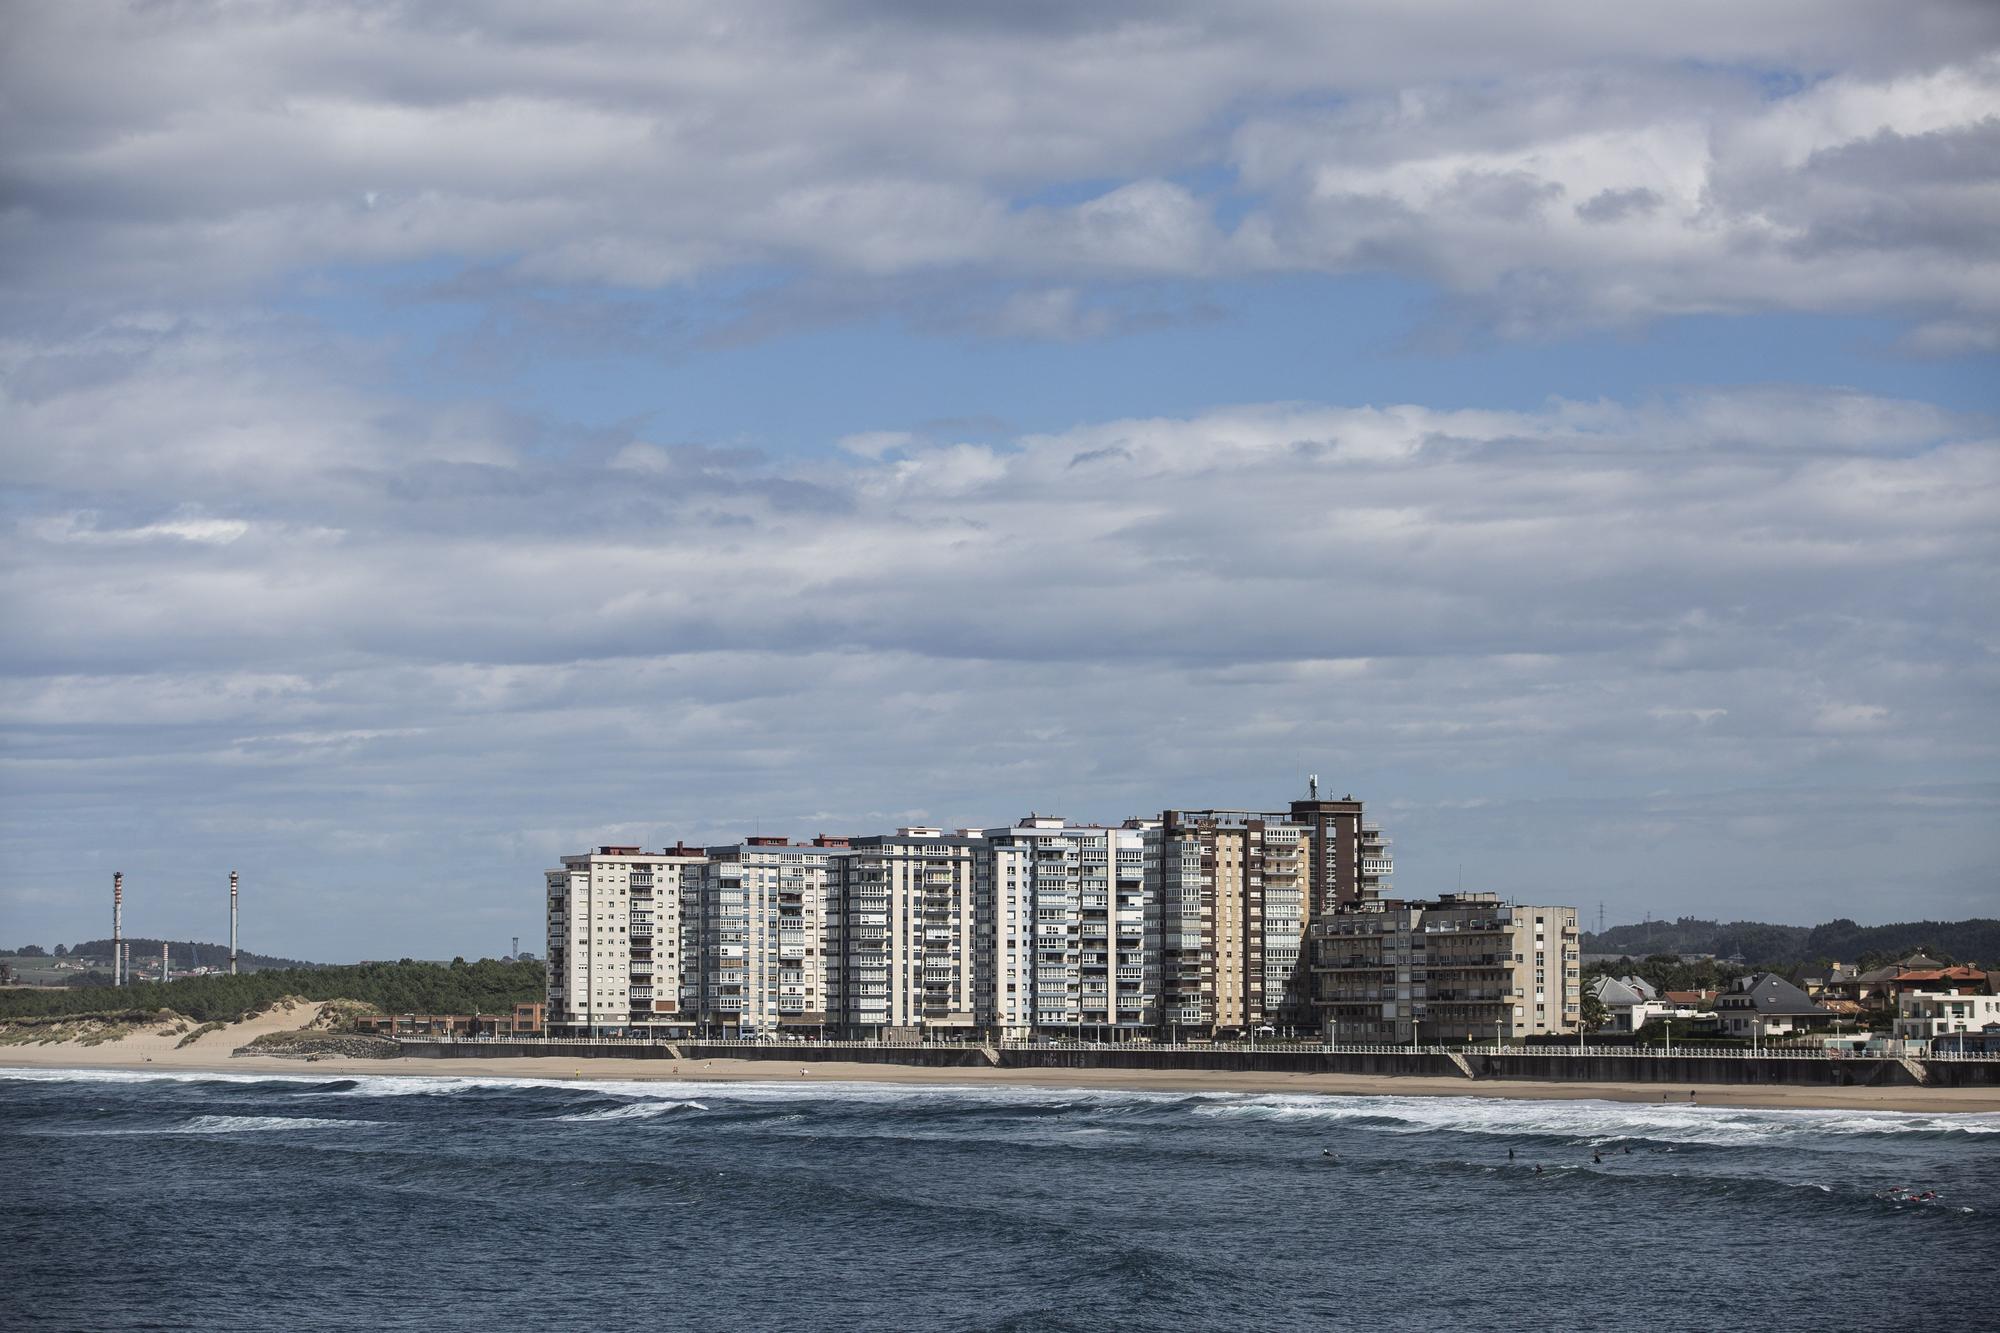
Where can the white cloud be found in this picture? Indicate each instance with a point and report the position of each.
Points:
(1562, 166)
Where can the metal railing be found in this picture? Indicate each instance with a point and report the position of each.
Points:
(1277, 1045)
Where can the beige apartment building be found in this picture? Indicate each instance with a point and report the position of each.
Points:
(1232, 892)
(1466, 967)
(614, 940)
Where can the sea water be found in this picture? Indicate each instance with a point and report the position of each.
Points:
(320, 1202)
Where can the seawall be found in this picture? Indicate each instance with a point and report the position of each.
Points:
(1509, 1066)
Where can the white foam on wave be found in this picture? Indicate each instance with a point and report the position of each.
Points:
(1590, 1119)
(635, 1111)
(150, 1076)
(257, 1124)
(1585, 1119)
(218, 1124)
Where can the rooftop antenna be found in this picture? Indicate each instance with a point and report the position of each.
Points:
(1312, 786)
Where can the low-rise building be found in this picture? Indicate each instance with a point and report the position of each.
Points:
(1691, 1001)
(1764, 1004)
(1629, 1002)
(1462, 968)
(1925, 1015)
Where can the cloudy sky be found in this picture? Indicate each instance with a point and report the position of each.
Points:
(440, 436)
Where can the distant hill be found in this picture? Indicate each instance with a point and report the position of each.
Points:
(183, 953)
(1763, 944)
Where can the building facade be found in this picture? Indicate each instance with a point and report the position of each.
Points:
(1232, 889)
(1465, 967)
(1074, 949)
(912, 930)
(614, 942)
(761, 939)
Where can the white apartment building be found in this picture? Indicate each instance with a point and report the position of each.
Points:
(614, 940)
(760, 943)
(911, 929)
(1075, 947)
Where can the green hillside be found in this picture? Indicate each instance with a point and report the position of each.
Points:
(459, 987)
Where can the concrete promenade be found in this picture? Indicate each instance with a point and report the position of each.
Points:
(1798, 1069)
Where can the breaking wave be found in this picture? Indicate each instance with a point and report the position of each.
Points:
(635, 1111)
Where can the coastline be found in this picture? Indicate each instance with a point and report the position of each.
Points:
(142, 1055)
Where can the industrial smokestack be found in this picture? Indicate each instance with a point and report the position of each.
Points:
(163, 960)
(117, 927)
(232, 923)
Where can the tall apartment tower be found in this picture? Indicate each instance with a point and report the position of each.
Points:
(1074, 946)
(614, 940)
(1350, 862)
(760, 950)
(910, 924)
(1465, 967)
(1232, 888)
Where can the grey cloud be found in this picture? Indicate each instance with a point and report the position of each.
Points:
(1614, 205)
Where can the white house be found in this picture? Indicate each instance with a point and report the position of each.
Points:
(1629, 1002)
(1921, 1015)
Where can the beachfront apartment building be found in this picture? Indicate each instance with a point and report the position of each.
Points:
(1350, 863)
(913, 952)
(614, 939)
(761, 938)
(1232, 888)
(1199, 924)
(1463, 967)
(1074, 947)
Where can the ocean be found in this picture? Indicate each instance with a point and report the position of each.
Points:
(318, 1202)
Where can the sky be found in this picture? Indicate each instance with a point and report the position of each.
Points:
(444, 436)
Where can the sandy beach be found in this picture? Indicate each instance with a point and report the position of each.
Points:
(160, 1052)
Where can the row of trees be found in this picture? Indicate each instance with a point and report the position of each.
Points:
(487, 986)
(185, 953)
(1770, 947)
